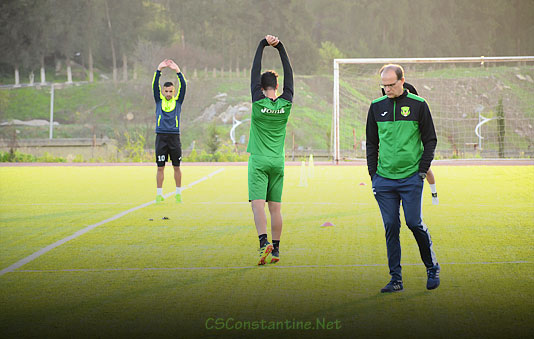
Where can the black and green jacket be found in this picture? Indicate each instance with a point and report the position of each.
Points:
(402, 130)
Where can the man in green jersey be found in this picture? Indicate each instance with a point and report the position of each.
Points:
(266, 146)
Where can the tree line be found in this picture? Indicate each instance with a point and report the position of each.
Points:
(122, 36)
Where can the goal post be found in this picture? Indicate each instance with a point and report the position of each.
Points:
(482, 107)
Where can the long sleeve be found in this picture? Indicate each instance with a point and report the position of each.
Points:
(155, 86)
(181, 88)
(288, 73)
(428, 138)
(371, 144)
(255, 73)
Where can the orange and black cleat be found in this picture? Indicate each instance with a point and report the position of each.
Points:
(264, 252)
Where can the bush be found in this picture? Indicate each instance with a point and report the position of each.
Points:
(134, 149)
(78, 158)
(213, 139)
(47, 157)
(16, 156)
(328, 52)
(225, 153)
(192, 157)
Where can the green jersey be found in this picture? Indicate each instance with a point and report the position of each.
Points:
(269, 117)
(268, 127)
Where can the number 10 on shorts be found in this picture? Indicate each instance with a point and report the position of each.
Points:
(161, 157)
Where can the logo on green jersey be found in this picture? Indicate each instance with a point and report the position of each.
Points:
(405, 111)
(273, 111)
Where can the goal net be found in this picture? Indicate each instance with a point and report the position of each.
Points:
(481, 107)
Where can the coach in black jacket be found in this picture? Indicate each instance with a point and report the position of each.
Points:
(400, 147)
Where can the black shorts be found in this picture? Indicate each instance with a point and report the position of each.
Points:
(168, 144)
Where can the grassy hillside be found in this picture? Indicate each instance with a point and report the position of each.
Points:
(102, 109)
(455, 95)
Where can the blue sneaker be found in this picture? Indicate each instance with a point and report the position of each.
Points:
(392, 286)
(433, 277)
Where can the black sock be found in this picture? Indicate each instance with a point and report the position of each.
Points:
(263, 239)
(276, 245)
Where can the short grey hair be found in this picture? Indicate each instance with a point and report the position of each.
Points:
(399, 71)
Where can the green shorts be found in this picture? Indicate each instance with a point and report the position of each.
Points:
(265, 178)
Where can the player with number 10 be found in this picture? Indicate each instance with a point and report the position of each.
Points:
(168, 110)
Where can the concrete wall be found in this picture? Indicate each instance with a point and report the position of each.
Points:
(67, 148)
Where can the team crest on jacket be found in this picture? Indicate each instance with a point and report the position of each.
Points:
(405, 111)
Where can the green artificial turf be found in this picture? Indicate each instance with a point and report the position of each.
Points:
(186, 275)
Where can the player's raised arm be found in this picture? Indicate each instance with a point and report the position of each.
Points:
(155, 80)
(181, 88)
(288, 71)
(255, 73)
(180, 92)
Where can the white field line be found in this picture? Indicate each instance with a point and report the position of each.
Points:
(48, 248)
(71, 204)
(273, 266)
